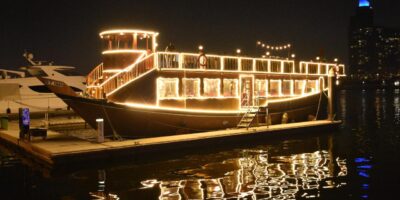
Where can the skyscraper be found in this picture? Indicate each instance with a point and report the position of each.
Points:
(374, 51)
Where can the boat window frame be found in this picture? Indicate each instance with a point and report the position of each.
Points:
(236, 85)
(196, 92)
(279, 82)
(284, 81)
(206, 86)
(257, 90)
(161, 83)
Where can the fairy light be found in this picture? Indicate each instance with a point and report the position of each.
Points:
(274, 47)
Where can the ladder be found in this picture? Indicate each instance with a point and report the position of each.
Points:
(249, 116)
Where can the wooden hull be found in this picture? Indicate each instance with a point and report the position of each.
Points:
(140, 122)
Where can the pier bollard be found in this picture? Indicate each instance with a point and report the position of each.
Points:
(100, 130)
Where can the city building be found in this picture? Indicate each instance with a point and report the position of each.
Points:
(374, 51)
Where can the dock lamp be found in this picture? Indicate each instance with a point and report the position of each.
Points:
(100, 130)
(238, 51)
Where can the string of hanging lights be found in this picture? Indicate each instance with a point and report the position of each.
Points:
(274, 47)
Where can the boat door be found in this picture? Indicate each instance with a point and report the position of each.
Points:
(246, 91)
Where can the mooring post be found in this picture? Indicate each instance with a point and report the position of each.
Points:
(331, 76)
(100, 130)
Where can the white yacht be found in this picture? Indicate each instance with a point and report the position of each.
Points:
(23, 89)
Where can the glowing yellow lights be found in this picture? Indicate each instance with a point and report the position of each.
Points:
(230, 88)
(293, 55)
(238, 51)
(191, 87)
(116, 51)
(212, 87)
(275, 88)
(271, 47)
(168, 88)
(317, 58)
(267, 53)
(335, 60)
(112, 70)
(156, 108)
(201, 47)
(123, 31)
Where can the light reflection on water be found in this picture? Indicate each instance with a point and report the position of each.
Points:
(358, 161)
(256, 175)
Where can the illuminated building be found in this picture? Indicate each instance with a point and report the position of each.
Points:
(374, 51)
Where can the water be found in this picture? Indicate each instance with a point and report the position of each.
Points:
(360, 161)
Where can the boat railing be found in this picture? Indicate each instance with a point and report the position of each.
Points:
(129, 74)
(190, 61)
(95, 75)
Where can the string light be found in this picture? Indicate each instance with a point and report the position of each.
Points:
(272, 47)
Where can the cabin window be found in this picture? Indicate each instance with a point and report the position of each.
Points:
(303, 68)
(323, 69)
(288, 67)
(230, 87)
(168, 87)
(262, 65)
(287, 86)
(299, 86)
(276, 66)
(261, 88)
(191, 87)
(275, 88)
(312, 86)
(313, 68)
(211, 87)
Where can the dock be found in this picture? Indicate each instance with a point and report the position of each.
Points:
(60, 148)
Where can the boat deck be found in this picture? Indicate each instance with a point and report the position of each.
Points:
(61, 149)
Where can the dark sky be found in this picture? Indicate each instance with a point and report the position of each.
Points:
(67, 31)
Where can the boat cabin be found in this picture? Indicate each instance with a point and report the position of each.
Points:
(134, 72)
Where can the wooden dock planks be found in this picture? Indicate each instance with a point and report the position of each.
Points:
(58, 146)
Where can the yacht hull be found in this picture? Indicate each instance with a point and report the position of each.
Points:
(141, 122)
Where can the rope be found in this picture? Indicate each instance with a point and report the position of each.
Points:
(319, 104)
(115, 134)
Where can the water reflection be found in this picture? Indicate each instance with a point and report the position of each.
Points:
(396, 105)
(101, 192)
(359, 161)
(256, 175)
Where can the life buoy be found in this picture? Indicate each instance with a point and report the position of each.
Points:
(202, 60)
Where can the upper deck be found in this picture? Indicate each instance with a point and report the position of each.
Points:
(238, 64)
(131, 54)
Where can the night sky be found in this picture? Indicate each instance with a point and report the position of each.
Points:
(66, 32)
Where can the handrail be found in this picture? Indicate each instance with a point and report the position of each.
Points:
(189, 61)
(95, 75)
(133, 71)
